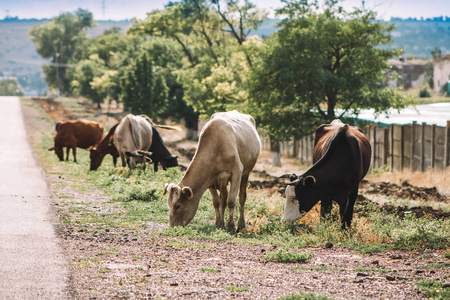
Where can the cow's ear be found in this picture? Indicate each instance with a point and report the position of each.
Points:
(51, 148)
(129, 154)
(165, 188)
(309, 181)
(293, 177)
(187, 191)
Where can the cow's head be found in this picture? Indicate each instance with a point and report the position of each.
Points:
(169, 162)
(181, 210)
(59, 152)
(96, 158)
(138, 157)
(291, 207)
(305, 191)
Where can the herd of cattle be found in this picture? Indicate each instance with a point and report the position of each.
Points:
(227, 151)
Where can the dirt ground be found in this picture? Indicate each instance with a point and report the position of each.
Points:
(108, 263)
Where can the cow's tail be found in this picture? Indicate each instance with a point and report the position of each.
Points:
(130, 121)
(168, 127)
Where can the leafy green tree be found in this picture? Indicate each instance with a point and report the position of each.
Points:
(83, 76)
(10, 87)
(143, 89)
(60, 40)
(323, 63)
(213, 41)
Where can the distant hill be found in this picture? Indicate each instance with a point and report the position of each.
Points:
(420, 37)
(19, 58)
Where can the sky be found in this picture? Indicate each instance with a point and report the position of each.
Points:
(128, 9)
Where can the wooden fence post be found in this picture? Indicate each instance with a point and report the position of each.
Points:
(385, 145)
(422, 147)
(413, 142)
(447, 145)
(433, 146)
(402, 147)
(391, 131)
(373, 140)
(296, 142)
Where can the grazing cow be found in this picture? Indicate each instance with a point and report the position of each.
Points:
(159, 153)
(73, 134)
(341, 160)
(132, 134)
(135, 135)
(228, 148)
(104, 147)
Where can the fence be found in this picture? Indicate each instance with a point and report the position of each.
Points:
(416, 147)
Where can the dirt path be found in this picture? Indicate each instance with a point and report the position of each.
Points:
(32, 264)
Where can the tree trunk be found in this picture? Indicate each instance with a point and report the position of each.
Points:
(191, 124)
(275, 150)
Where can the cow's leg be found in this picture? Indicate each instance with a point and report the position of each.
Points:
(325, 208)
(131, 163)
(235, 184)
(223, 200)
(67, 153)
(346, 210)
(74, 152)
(124, 161)
(242, 198)
(216, 202)
(114, 161)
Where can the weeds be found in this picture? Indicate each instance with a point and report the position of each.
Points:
(214, 271)
(238, 288)
(288, 257)
(305, 297)
(434, 289)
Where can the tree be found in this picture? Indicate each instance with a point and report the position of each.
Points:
(60, 40)
(84, 74)
(143, 89)
(323, 64)
(213, 41)
(10, 87)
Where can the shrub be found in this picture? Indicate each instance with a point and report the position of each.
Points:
(424, 93)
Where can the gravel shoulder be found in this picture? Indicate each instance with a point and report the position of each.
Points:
(110, 263)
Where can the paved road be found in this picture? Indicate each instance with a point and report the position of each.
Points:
(32, 265)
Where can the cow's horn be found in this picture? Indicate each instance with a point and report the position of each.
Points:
(287, 175)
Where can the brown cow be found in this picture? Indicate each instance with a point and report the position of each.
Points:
(341, 160)
(72, 134)
(104, 147)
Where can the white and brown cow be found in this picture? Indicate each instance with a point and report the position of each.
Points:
(133, 133)
(228, 148)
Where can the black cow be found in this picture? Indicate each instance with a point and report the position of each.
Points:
(159, 153)
(341, 160)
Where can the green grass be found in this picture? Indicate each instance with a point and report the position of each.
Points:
(209, 270)
(305, 297)
(238, 288)
(434, 289)
(288, 257)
